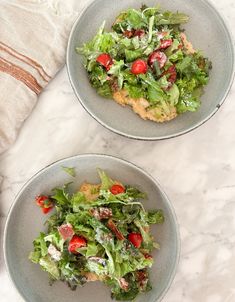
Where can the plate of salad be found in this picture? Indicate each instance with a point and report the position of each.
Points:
(92, 224)
(149, 70)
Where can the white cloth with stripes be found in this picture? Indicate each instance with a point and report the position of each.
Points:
(33, 40)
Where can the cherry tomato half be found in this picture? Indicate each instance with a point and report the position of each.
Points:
(136, 239)
(157, 56)
(165, 43)
(40, 200)
(66, 231)
(46, 210)
(75, 243)
(139, 66)
(105, 60)
(117, 189)
(45, 203)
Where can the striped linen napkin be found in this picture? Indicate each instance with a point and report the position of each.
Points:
(33, 40)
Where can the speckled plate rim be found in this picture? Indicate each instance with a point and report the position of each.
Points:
(163, 137)
(118, 159)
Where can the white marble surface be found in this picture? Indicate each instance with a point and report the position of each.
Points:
(197, 171)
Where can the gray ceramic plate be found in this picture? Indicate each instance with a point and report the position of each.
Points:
(206, 30)
(25, 221)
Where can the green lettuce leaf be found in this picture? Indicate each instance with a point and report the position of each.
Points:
(155, 217)
(40, 248)
(106, 181)
(132, 55)
(70, 171)
(188, 102)
(50, 266)
(78, 200)
(170, 18)
(134, 91)
(55, 239)
(173, 94)
(62, 196)
(35, 256)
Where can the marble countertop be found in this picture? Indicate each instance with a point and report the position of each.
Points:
(197, 171)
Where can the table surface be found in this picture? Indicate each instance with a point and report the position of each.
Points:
(197, 171)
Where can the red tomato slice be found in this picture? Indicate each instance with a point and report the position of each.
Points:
(45, 203)
(66, 231)
(165, 43)
(117, 189)
(139, 33)
(40, 200)
(105, 60)
(46, 210)
(157, 56)
(136, 239)
(75, 243)
(128, 33)
(139, 66)
(173, 74)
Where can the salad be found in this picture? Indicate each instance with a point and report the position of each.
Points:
(100, 233)
(147, 62)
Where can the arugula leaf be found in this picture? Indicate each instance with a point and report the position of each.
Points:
(188, 102)
(70, 171)
(78, 199)
(61, 196)
(155, 93)
(184, 66)
(122, 295)
(135, 193)
(170, 18)
(81, 224)
(176, 56)
(135, 19)
(40, 248)
(155, 217)
(106, 181)
(105, 90)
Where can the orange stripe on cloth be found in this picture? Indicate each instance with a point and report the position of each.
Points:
(20, 74)
(26, 60)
